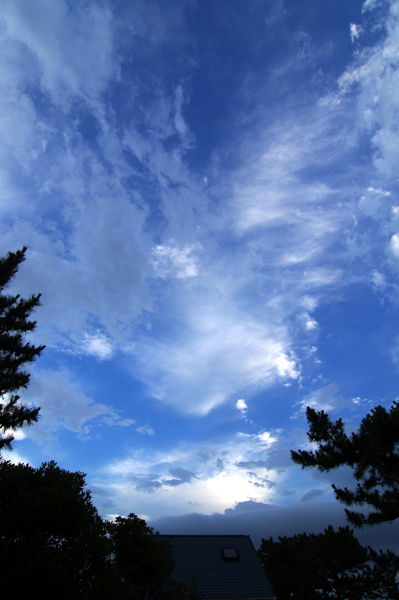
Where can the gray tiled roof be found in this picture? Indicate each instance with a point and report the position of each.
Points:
(200, 556)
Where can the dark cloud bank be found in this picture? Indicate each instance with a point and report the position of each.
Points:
(264, 521)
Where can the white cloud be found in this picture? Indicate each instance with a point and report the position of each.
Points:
(311, 324)
(64, 405)
(394, 245)
(355, 31)
(179, 122)
(241, 405)
(378, 281)
(375, 71)
(96, 261)
(105, 278)
(146, 430)
(170, 260)
(266, 439)
(309, 302)
(113, 266)
(212, 356)
(370, 5)
(165, 119)
(269, 190)
(98, 345)
(374, 203)
(14, 457)
(173, 480)
(59, 35)
(18, 434)
(322, 399)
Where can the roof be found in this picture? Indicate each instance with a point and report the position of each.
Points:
(201, 556)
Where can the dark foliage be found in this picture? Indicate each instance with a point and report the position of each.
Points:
(329, 565)
(373, 454)
(140, 565)
(141, 562)
(15, 351)
(53, 543)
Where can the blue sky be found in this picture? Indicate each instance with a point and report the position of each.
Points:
(209, 194)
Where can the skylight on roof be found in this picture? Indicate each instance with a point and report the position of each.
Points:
(230, 554)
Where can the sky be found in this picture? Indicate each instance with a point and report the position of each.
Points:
(208, 192)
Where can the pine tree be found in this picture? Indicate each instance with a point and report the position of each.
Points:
(373, 454)
(15, 351)
(329, 565)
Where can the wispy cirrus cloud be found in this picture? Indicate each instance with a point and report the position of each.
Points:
(218, 354)
(58, 35)
(374, 72)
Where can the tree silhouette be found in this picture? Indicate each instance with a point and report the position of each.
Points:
(329, 565)
(15, 351)
(373, 454)
(54, 544)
